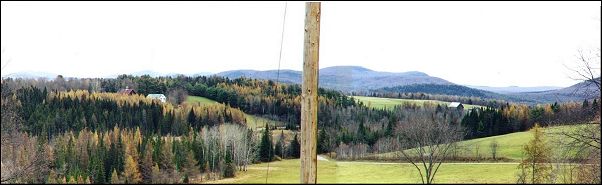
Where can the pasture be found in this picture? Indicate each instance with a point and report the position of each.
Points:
(389, 103)
(510, 146)
(287, 171)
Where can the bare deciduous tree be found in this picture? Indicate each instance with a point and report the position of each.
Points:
(493, 147)
(587, 69)
(427, 140)
(582, 144)
(177, 96)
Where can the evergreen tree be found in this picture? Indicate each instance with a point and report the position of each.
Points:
(166, 157)
(265, 146)
(295, 148)
(146, 164)
(323, 141)
(279, 148)
(189, 165)
(229, 170)
(192, 117)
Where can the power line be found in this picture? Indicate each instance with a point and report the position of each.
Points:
(277, 81)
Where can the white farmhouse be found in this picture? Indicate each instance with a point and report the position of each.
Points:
(157, 97)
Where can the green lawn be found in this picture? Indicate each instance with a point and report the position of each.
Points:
(389, 103)
(287, 171)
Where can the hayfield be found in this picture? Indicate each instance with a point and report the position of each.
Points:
(389, 103)
(510, 146)
(287, 171)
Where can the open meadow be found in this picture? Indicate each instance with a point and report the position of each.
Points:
(389, 103)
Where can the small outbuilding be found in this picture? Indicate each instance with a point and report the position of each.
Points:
(127, 91)
(456, 105)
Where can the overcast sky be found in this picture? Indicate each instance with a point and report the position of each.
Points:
(470, 43)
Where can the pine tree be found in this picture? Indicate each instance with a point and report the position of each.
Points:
(295, 148)
(322, 142)
(189, 166)
(131, 173)
(279, 148)
(166, 157)
(192, 117)
(146, 164)
(536, 166)
(265, 146)
(229, 170)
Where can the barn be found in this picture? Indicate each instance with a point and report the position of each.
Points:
(456, 105)
(127, 91)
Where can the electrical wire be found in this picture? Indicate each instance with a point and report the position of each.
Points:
(277, 81)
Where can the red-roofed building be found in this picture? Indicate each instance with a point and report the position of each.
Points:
(127, 91)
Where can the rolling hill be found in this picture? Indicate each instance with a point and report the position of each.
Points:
(454, 90)
(363, 80)
(344, 78)
(514, 89)
(31, 74)
(360, 79)
(577, 92)
(510, 145)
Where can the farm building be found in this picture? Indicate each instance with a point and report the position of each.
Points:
(127, 91)
(157, 97)
(456, 105)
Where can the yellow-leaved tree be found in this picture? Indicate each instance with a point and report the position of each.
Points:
(130, 172)
(536, 167)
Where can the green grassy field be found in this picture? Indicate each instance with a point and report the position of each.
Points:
(252, 120)
(389, 103)
(199, 99)
(287, 171)
(510, 146)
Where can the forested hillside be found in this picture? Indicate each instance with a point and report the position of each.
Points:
(86, 132)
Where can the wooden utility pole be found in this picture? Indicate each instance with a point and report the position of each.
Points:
(309, 94)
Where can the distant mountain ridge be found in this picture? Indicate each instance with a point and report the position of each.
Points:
(577, 92)
(344, 78)
(31, 74)
(454, 90)
(362, 80)
(515, 89)
(47, 75)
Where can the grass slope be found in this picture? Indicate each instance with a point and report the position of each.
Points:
(509, 145)
(200, 100)
(252, 120)
(287, 171)
(389, 103)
